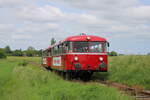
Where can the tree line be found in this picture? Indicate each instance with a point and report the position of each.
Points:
(30, 52)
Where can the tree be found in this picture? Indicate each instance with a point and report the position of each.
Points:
(8, 50)
(30, 51)
(31, 48)
(113, 53)
(2, 54)
(39, 52)
(17, 53)
(53, 41)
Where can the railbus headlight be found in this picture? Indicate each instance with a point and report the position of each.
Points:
(101, 58)
(88, 38)
(76, 58)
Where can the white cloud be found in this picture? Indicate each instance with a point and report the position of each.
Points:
(139, 13)
(47, 14)
(21, 36)
(10, 3)
(97, 4)
(40, 14)
(35, 28)
(6, 29)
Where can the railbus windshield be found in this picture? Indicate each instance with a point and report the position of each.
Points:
(89, 47)
(79, 47)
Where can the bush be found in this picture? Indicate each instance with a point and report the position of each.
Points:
(23, 63)
(2, 54)
(17, 53)
(113, 53)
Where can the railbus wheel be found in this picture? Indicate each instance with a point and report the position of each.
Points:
(86, 76)
(68, 76)
(62, 74)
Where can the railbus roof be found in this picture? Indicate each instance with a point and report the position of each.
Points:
(80, 38)
(84, 38)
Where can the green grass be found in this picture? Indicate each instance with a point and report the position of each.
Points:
(30, 82)
(32, 59)
(130, 70)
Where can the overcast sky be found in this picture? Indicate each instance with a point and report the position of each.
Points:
(124, 23)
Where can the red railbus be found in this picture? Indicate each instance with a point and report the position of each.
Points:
(77, 56)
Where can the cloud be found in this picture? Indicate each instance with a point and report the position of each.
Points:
(6, 29)
(10, 3)
(47, 14)
(40, 14)
(97, 4)
(35, 28)
(139, 13)
(21, 36)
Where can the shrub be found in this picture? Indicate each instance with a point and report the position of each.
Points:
(17, 53)
(113, 53)
(2, 54)
(23, 63)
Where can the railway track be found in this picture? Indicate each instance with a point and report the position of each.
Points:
(135, 92)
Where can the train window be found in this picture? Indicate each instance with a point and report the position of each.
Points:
(49, 53)
(52, 51)
(60, 48)
(44, 53)
(80, 46)
(64, 47)
(97, 47)
(55, 50)
(67, 47)
(70, 48)
(89, 46)
(105, 47)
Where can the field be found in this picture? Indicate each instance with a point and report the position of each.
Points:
(130, 70)
(21, 80)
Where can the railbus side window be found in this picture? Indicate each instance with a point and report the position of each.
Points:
(52, 51)
(44, 53)
(64, 47)
(49, 53)
(55, 50)
(60, 49)
(67, 47)
(70, 48)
